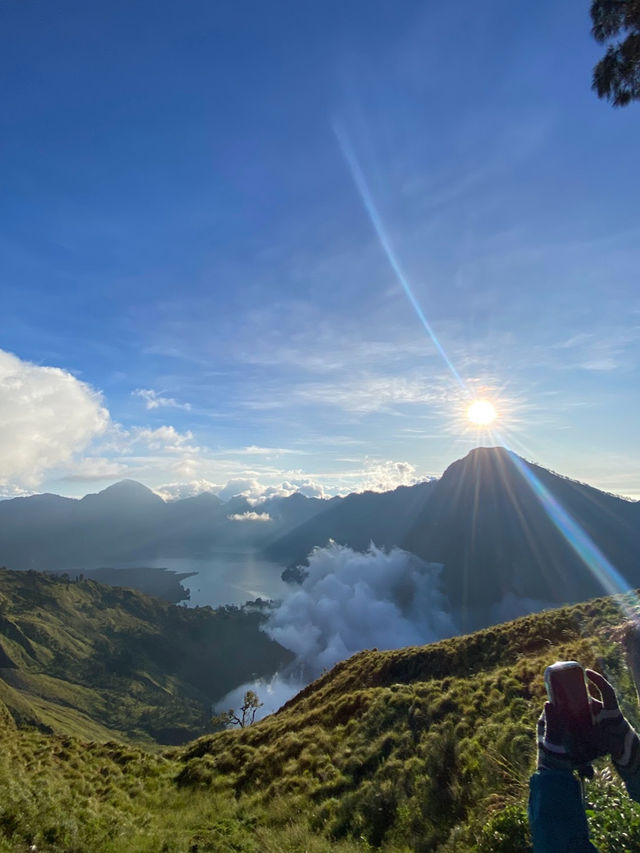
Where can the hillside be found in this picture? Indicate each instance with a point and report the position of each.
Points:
(80, 657)
(420, 749)
(412, 749)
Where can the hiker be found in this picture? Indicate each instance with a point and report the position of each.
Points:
(556, 805)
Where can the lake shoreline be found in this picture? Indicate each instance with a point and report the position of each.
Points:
(222, 578)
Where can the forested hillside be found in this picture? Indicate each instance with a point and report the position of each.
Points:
(82, 658)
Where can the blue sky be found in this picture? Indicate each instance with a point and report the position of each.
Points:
(194, 294)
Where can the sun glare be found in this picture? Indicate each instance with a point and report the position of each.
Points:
(482, 413)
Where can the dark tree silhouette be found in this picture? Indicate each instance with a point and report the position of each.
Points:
(617, 75)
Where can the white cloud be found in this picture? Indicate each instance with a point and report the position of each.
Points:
(382, 476)
(178, 491)
(601, 364)
(241, 487)
(256, 492)
(47, 416)
(614, 347)
(250, 516)
(8, 492)
(374, 393)
(351, 601)
(265, 493)
(162, 438)
(306, 486)
(156, 400)
(318, 347)
(254, 450)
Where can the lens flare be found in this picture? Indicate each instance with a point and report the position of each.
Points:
(385, 243)
(612, 582)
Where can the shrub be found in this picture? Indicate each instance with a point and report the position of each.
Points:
(507, 831)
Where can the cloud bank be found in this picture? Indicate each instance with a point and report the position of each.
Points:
(383, 476)
(47, 416)
(178, 491)
(256, 492)
(351, 601)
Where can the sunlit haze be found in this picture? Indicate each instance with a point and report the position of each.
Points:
(258, 248)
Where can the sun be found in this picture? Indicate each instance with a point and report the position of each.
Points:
(482, 413)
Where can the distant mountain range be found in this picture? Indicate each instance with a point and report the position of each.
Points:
(127, 521)
(482, 520)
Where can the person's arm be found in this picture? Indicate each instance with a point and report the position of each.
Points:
(556, 814)
(556, 811)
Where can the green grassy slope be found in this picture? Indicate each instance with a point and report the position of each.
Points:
(96, 661)
(420, 749)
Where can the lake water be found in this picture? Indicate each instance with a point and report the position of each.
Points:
(223, 578)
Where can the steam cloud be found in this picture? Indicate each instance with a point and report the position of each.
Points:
(350, 601)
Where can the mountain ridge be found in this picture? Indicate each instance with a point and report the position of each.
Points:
(496, 524)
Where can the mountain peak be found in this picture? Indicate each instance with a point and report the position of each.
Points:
(494, 453)
(491, 450)
(480, 462)
(126, 490)
(493, 523)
